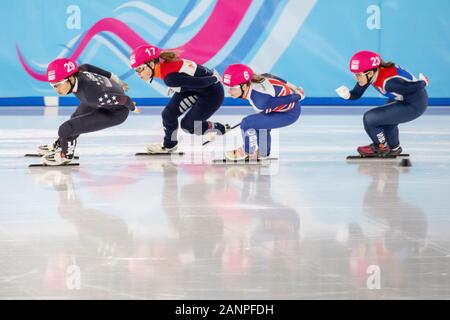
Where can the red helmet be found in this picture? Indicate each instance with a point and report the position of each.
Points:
(363, 61)
(143, 54)
(237, 74)
(61, 69)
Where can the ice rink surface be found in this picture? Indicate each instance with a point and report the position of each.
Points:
(308, 226)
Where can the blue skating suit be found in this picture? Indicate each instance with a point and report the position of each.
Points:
(408, 100)
(277, 106)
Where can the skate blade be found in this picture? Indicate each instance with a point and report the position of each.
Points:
(227, 128)
(159, 154)
(387, 157)
(209, 141)
(35, 155)
(39, 165)
(246, 161)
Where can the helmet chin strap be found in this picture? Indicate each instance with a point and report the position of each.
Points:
(242, 91)
(153, 72)
(369, 80)
(72, 85)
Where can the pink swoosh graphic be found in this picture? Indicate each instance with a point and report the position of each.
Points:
(215, 33)
(31, 72)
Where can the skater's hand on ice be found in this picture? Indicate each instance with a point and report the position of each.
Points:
(424, 79)
(170, 92)
(136, 109)
(300, 92)
(297, 90)
(217, 75)
(343, 92)
(122, 84)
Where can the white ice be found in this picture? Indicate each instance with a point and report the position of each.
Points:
(308, 226)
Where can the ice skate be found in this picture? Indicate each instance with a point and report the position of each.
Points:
(373, 150)
(159, 148)
(47, 148)
(58, 157)
(237, 155)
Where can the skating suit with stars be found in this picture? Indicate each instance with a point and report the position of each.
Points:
(103, 104)
(97, 90)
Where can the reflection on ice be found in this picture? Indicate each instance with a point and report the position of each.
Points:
(308, 226)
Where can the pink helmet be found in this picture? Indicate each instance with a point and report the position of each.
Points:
(143, 54)
(237, 74)
(61, 69)
(363, 61)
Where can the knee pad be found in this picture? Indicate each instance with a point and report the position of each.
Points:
(167, 116)
(187, 126)
(369, 118)
(245, 125)
(65, 130)
(250, 132)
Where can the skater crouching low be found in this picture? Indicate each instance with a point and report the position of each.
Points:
(276, 102)
(103, 104)
(408, 100)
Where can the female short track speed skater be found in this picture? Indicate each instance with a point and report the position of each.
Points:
(198, 93)
(276, 101)
(103, 104)
(408, 100)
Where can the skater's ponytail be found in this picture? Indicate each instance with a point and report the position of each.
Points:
(387, 64)
(170, 56)
(258, 78)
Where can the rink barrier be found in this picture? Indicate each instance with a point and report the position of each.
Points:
(313, 101)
